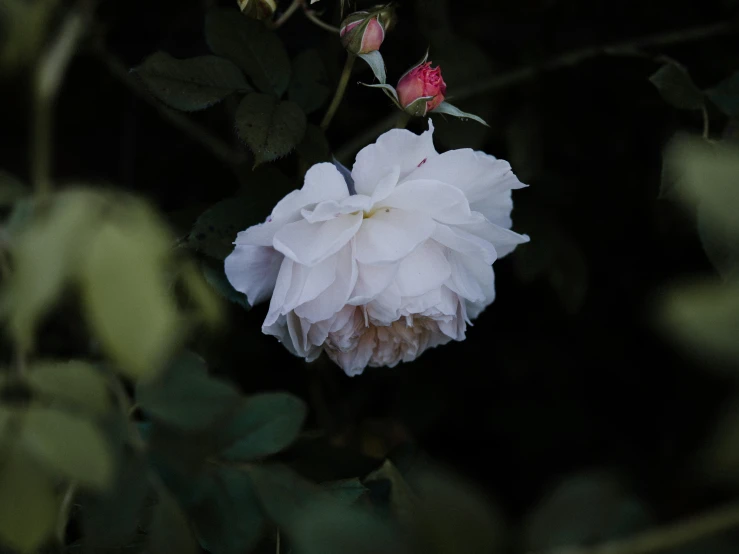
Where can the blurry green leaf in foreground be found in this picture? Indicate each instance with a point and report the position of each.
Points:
(11, 188)
(585, 508)
(453, 518)
(705, 319)
(346, 490)
(75, 383)
(202, 294)
(71, 446)
(215, 276)
(191, 84)
(677, 88)
(170, 531)
(263, 425)
(185, 396)
(271, 128)
(29, 508)
(710, 178)
(726, 95)
(719, 462)
(403, 501)
(128, 303)
(46, 255)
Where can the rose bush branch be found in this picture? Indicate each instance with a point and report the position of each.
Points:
(340, 90)
(664, 538)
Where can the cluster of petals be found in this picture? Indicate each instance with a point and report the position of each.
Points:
(377, 267)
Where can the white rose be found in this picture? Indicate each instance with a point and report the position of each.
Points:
(377, 275)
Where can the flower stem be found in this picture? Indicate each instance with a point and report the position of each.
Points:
(340, 90)
(291, 9)
(313, 17)
(403, 121)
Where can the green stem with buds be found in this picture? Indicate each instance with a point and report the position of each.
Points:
(313, 17)
(340, 90)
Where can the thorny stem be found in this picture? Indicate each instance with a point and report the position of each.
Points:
(313, 17)
(340, 90)
(664, 538)
(628, 48)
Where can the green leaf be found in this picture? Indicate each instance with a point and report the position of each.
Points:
(403, 501)
(331, 528)
(706, 317)
(75, 383)
(215, 230)
(447, 108)
(284, 494)
(264, 424)
(46, 255)
(308, 86)
(11, 189)
(250, 45)
(346, 491)
(28, 513)
(185, 396)
(377, 64)
(229, 520)
(201, 293)
(191, 84)
(127, 299)
(269, 127)
(73, 447)
(720, 244)
(454, 518)
(677, 88)
(726, 95)
(111, 518)
(170, 531)
(584, 509)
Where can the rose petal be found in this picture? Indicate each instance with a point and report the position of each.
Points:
(253, 270)
(442, 202)
(391, 234)
(425, 269)
(310, 243)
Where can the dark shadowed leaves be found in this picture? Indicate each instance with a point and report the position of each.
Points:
(347, 491)
(215, 276)
(191, 84)
(250, 45)
(585, 508)
(313, 149)
(263, 425)
(309, 84)
(285, 495)
(269, 127)
(677, 88)
(228, 520)
(185, 396)
(726, 95)
(11, 189)
(170, 531)
(403, 501)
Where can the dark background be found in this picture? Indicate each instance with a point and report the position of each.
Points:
(569, 370)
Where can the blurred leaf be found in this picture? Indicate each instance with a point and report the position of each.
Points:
(201, 293)
(705, 318)
(719, 461)
(71, 446)
(75, 382)
(710, 178)
(111, 518)
(229, 520)
(308, 86)
(128, 303)
(215, 230)
(720, 245)
(170, 531)
(403, 501)
(215, 276)
(331, 528)
(250, 45)
(677, 88)
(269, 127)
(24, 25)
(20, 216)
(29, 509)
(191, 84)
(185, 396)
(726, 95)
(263, 425)
(46, 254)
(454, 518)
(11, 189)
(583, 509)
(284, 494)
(346, 491)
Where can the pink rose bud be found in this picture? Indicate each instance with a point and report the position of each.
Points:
(362, 32)
(422, 81)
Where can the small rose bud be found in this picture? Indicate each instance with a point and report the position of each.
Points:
(258, 9)
(362, 32)
(422, 81)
